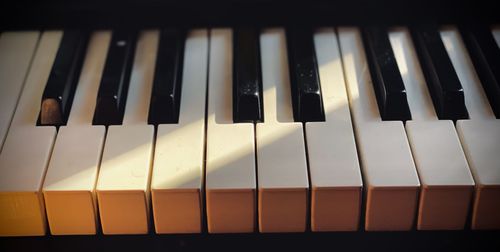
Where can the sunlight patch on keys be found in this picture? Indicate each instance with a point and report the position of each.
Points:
(442, 168)
(26, 151)
(480, 137)
(69, 185)
(230, 172)
(123, 183)
(333, 161)
(176, 185)
(389, 172)
(281, 161)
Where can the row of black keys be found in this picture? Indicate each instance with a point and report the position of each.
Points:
(445, 88)
(443, 83)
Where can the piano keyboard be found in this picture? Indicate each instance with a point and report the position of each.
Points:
(246, 130)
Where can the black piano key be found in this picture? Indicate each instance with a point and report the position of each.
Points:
(60, 89)
(247, 76)
(166, 92)
(485, 55)
(444, 86)
(387, 82)
(112, 94)
(304, 78)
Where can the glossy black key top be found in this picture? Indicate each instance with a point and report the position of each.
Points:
(112, 94)
(387, 82)
(247, 76)
(60, 89)
(485, 55)
(166, 92)
(304, 78)
(444, 86)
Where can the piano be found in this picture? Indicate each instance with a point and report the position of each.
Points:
(189, 125)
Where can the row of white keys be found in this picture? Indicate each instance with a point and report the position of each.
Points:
(333, 161)
(177, 182)
(27, 149)
(480, 137)
(447, 183)
(283, 185)
(230, 170)
(16, 51)
(123, 182)
(69, 187)
(389, 172)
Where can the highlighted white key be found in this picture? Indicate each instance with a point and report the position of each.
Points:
(281, 160)
(230, 173)
(390, 175)
(176, 185)
(333, 161)
(26, 151)
(16, 52)
(480, 137)
(447, 183)
(123, 183)
(69, 187)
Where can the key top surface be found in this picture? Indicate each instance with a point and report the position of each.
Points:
(247, 76)
(58, 95)
(115, 79)
(444, 86)
(387, 82)
(166, 93)
(16, 51)
(305, 83)
(27, 150)
(485, 55)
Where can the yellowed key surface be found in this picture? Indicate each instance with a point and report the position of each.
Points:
(123, 182)
(69, 186)
(26, 151)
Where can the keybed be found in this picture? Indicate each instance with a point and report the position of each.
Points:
(240, 130)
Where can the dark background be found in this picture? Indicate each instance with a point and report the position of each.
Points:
(47, 14)
(341, 241)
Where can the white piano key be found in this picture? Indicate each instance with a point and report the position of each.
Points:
(176, 185)
(480, 137)
(418, 96)
(481, 143)
(281, 162)
(447, 183)
(122, 187)
(16, 52)
(69, 187)
(476, 101)
(123, 182)
(230, 171)
(333, 161)
(26, 151)
(388, 169)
